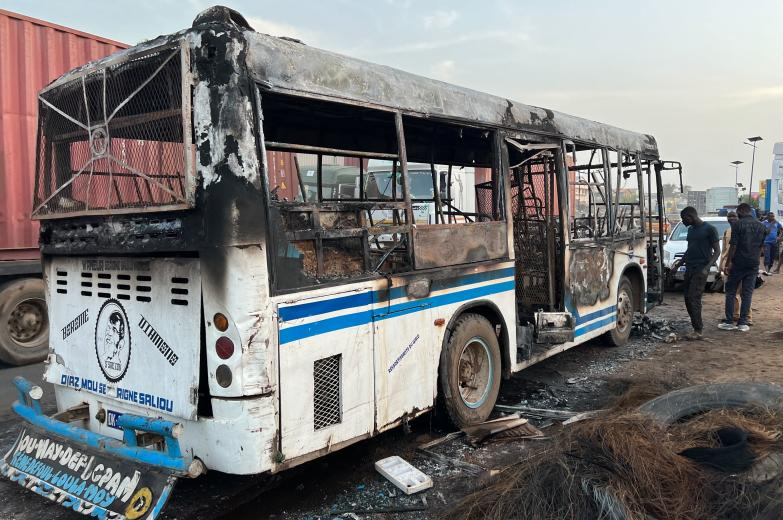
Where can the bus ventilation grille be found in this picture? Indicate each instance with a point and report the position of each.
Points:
(326, 401)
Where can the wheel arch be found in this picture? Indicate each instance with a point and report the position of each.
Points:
(634, 274)
(491, 312)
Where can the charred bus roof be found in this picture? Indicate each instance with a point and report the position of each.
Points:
(289, 66)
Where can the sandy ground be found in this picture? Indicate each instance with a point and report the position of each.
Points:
(345, 485)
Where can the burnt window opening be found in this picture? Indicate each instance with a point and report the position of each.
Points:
(336, 192)
(113, 139)
(452, 174)
(606, 193)
(589, 191)
(629, 193)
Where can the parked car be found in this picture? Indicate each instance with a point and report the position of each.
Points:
(677, 243)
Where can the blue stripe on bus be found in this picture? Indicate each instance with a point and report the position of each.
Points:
(595, 314)
(597, 325)
(360, 318)
(304, 310)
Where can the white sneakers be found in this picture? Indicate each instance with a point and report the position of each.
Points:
(730, 326)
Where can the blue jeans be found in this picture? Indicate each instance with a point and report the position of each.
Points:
(770, 255)
(746, 277)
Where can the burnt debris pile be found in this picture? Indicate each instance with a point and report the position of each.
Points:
(629, 465)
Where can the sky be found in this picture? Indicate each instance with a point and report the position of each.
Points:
(701, 76)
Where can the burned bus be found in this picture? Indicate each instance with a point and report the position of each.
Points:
(202, 320)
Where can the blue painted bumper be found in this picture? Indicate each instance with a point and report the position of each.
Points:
(172, 460)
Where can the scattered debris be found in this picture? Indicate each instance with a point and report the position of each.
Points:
(624, 464)
(467, 467)
(671, 338)
(646, 325)
(440, 440)
(509, 427)
(403, 475)
(582, 416)
(536, 413)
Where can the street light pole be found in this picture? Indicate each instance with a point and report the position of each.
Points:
(736, 178)
(752, 143)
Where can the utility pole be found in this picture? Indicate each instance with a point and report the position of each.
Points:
(752, 143)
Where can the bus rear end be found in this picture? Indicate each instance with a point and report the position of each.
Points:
(159, 352)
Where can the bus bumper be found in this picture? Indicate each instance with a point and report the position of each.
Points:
(92, 473)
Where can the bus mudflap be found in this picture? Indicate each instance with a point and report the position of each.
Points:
(91, 473)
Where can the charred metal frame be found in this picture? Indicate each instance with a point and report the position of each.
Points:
(189, 173)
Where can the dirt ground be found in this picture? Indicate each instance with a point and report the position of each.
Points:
(345, 485)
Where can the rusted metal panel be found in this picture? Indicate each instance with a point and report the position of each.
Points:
(453, 244)
(591, 271)
(32, 53)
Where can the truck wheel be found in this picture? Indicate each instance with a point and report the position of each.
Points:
(24, 323)
(618, 336)
(470, 371)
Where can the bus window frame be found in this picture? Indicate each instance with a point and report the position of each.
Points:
(273, 234)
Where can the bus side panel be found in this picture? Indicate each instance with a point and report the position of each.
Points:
(410, 334)
(404, 366)
(326, 370)
(592, 279)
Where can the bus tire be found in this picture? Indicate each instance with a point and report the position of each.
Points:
(470, 371)
(618, 336)
(24, 323)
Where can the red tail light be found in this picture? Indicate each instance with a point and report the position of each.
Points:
(224, 347)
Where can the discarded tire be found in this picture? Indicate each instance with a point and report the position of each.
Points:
(680, 404)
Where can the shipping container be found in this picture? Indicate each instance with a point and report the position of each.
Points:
(32, 54)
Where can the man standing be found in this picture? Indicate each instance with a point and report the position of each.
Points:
(724, 255)
(742, 266)
(771, 241)
(703, 250)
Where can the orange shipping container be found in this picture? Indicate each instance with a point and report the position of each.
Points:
(32, 54)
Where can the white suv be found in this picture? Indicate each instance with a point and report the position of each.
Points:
(677, 243)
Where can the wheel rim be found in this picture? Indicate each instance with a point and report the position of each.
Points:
(28, 322)
(475, 372)
(624, 311)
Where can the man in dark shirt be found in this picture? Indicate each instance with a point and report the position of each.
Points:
(742, 266)
(703, 250)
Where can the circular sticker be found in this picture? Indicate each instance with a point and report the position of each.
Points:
(112, 340)
(139, 504)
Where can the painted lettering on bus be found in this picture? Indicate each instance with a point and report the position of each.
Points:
(145, 399)
(83, 383)
(75, 323)
(158, 341)
(404, 353)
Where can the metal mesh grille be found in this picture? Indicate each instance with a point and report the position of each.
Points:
(531, 236)
(326, 400)
(484, 201)
(112, 139)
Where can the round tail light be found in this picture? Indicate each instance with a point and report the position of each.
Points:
(224, 347)
(220, 321)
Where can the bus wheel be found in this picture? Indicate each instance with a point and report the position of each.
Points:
(470, 371)
(24, 324)
(622, 331)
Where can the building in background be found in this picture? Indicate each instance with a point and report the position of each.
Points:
(698, 199)
(773, 199)
(719, 197)
(32, 54)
